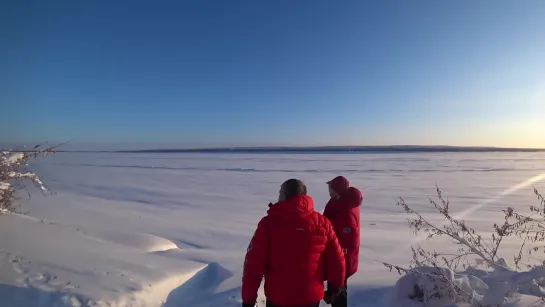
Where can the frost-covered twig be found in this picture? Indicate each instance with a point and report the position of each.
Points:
(467, 238)
(502, 282)
(439, 284)
(13, 172)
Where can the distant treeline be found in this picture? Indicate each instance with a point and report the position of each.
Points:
(336, 149)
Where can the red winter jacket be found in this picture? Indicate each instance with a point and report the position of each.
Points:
(344, 215)
(296, 250)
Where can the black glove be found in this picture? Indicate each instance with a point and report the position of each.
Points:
(332, 294)
(248, 304)
(329, 296)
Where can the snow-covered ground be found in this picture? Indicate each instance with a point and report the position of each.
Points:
(172, 229)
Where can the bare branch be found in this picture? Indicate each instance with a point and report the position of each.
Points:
(529, 228)
(13, 173)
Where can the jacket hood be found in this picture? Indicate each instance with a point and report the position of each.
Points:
(339, 184)
(294, 207)
(352, 197)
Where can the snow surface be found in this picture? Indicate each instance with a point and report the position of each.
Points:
(172, 229)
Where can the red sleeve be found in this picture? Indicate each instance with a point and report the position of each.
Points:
(255, 263)
(327, 209)
(346, 229)
(335, 262)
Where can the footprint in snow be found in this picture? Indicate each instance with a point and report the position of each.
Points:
(18, 266)
(39, 280)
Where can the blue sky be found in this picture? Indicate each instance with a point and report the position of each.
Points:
(274, 72)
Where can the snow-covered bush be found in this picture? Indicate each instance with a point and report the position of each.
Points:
(475, 275)
(13, 173)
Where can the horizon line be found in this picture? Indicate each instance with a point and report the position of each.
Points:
(323, 148)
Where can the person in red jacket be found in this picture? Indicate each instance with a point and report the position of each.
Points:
(296, 250)
(343, 212)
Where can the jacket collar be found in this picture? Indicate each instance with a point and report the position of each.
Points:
(296, 206)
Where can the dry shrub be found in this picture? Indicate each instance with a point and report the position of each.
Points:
(477, 257)
(13, 174)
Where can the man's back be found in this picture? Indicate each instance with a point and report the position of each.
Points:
(301, 252)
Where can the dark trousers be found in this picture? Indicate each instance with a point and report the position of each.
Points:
(340, 301)
(271, 304)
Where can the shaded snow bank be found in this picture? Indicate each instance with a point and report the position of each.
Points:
(439, 287)
(46, 264)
